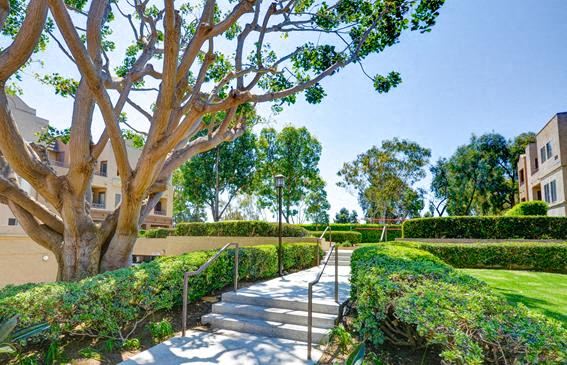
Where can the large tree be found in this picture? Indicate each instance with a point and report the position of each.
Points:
(214, 178)
(294, 153)
(194, 70)
(480, 178)
(384, 177)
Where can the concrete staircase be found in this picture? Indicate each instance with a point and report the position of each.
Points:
(344, 258)
(278, 308)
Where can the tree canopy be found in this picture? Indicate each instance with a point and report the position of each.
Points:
(214, 178)
(294, 153)
(384, 177)
(344, 216)
(195, 71)
(480, 178)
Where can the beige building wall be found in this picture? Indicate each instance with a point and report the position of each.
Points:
(543, 167)
(23, 261)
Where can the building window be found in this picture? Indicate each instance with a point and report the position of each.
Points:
(12, 222)
(550, 192)
(521, 177)
(553, 191)
(536, 163)
(548, 149)
(103, 168)
(117, 199)
(543, 154)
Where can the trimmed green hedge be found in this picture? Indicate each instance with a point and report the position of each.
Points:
(538, 256)
(109, 305)
(238, 229)
(340, 236)
(370, 232)
(531, 208)
(409, 296)
(487, 227)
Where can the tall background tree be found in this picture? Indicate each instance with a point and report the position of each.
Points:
(344, 216)
(480, 178)
(214, 178)
(294, 153)
(384, 178)
(194, 71)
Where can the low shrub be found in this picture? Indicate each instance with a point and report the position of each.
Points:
(111, 304)
(487, 227)
(538, 256)
(161, 330)
(410, 297)
(238, 229)
(370, 232)
(531, 208)
(340, 236)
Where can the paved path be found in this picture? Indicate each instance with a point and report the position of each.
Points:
(255, 341)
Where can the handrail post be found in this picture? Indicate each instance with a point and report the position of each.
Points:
(236, 267)
(184, 319)
(337, 273)
(309, 320)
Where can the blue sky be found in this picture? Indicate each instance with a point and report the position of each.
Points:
(486, 66)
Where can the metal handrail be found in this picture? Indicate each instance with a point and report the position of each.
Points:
(187, 274)
(310, 294)
(320, 239)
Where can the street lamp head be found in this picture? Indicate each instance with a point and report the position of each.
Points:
(279, 180)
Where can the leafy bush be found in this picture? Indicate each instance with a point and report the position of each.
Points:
(340, 236)
(531, 208)
(487, 227)
(370, 232)
(238, 229)
(539, 256)
(409, 296)
(109, 305)
(161, 330)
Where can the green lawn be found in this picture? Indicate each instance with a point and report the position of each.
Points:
(542, 292)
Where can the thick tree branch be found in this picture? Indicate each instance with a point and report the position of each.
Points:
(89, 72)
(40, 233)
(19, 52)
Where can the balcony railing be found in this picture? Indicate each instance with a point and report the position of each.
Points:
(99, 205)
(160, 212)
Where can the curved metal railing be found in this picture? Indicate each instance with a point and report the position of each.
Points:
(334, 247)
(187, 274)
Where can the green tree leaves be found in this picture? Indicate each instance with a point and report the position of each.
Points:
(383, 178)
(294, 153)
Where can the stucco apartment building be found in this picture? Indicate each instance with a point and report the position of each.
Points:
(106, 192)
(542, 169)
(21, 259)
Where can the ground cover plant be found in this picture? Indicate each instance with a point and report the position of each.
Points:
(409, 297)
(537, 256)
(542, 292)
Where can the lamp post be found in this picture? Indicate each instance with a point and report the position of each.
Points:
(280, 182)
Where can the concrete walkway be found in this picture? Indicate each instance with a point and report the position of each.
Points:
(264, 323)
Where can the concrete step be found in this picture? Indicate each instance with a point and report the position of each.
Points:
(264, 328)
(341, 263)
(290, 316)
(294, 303)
